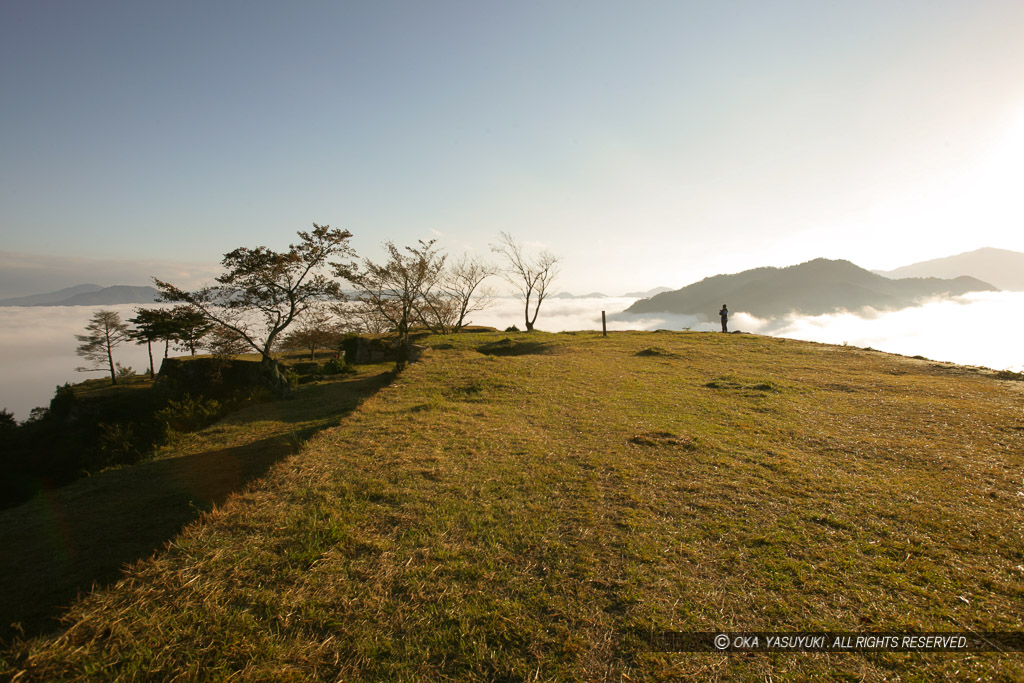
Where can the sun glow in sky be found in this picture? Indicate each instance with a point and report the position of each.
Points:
(648, 143)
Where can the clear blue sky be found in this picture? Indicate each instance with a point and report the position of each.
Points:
(648, 143)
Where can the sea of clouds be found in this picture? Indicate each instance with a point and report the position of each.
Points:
(37, 352)
(37, 344)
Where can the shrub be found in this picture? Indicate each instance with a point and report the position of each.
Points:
(123, 371)
(337, 366)
(1010, 375)
(511, 328)
(119, 444)
(189, 414)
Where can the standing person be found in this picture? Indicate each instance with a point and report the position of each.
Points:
(724, 313)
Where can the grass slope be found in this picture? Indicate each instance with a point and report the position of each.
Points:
(530, 508)
(69, 539)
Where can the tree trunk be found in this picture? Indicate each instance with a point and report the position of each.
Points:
(536, 312)
(149, 347)
(403, 350)
(110, 359)
(273, 378)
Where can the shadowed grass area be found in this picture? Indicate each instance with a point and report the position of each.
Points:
(536, 516)
(510, 347)
(655, 352)
(64, 541)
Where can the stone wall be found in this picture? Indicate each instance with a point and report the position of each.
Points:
(218, 376)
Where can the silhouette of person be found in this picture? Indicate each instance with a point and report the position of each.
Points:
(724, 313)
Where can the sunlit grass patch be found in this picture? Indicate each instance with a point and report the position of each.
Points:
(536, 515)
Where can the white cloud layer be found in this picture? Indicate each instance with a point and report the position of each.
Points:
(983, 328)
(37, 352)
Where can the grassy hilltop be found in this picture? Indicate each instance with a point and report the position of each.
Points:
(531, 506)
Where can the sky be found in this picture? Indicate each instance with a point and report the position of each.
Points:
(646, 143)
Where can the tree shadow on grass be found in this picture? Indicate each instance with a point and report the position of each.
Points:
(66, 541)
(331, 402)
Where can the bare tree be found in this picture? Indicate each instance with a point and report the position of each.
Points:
(438, 312)
(272, 286)
(531, 276)
(359, 316)
(459, 293)
(104, 331)
(396, 288)
(315, 328)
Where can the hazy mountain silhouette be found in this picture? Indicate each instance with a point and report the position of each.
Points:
(567, 295)
(812, 288)
(1001, 267)
(599, 295)
(50, 298)
(648, 293)
(87, 295)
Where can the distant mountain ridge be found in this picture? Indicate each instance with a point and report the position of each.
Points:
(1002, 267)
(567, 295)
(599, 295)
(88, 295)
(50, 298)
(648, 293)
(812, 288)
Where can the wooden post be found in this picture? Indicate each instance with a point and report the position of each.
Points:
(604, 325)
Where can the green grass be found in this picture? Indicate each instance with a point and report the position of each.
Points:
(533, 508)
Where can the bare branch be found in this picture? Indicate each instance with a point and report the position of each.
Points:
(396, 289)
(531, 276)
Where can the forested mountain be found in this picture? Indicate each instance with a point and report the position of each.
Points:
(811, 288)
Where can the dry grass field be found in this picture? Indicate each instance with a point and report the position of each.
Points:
(533, 506)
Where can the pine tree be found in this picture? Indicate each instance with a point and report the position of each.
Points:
(104, 331)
